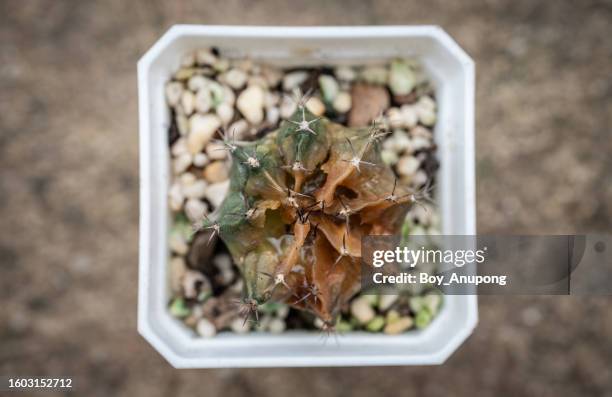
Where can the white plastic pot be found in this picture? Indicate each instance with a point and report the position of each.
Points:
(452, 72)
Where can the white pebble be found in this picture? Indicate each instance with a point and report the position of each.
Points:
(239, 326)
(426, 103)
(175, 197)
(401, 78)
(271, 99)
(427, 117)
(196, 190)
(205, 57)
(235, 78)
(221, 65)
(420, 178)
(202, 129)
(375, 74)
(389, 157)
(205, 328)
(223, 261)
(181, 163)
(178, 267)
(422, 132)
(410, 116)
(195, 209)
(343, 102)
(188, 102)
(225, 113)
(345, 73)
(187, 179)
(287, 107)
(400, 140)
(277, 325)
(408, 165)
(188, 60)
(293, 80)
(182, 123)
(197, 82)
(179, 147)
(394, 115)
(272, 115)
(250, 104)
(361, 310)
(229, 98)
(203, 101)
(200, 160)
(177, 244)
(329, 87)
(315, 106)
(174, 90)
(216, 151)
(216, 192)
(239, 129)
(420, 143)
(194, 281)
(386, 301)
(272, 75)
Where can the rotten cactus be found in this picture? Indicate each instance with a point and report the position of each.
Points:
(300, 200)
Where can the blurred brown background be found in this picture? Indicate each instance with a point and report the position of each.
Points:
(69, 192)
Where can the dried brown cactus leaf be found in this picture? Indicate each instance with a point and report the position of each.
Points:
(300, 232)
(337, 235)
(258, 218)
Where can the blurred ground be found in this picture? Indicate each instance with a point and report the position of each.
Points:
(69, 192)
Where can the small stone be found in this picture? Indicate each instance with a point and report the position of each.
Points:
(205, 57)
(202, 129)
(376, 324)
(398, 326)
(394, 115)
(178, 244)
(420, 143)
(225, 113)
(282, 311)
(223, 261)
(216, 151)
(235, 78)
(174, 90)
(361, 310)
(420, 131)
(420, 178)
(221, 65)
(258, 80)
(426, 103)
(216, 172)
(272, 115)
(427, 117)
(238, 129)
(218, 93)
(176, 197)
(277, 325)
(416, 302)
(179, 147)
(188, 102)
(205, 328)
(195, 209)
(401, 78)
(184, 73)
(343, 102)
(293, 80)
(203, 101)
(375, 75)
(392, 316)
(408, 165)
(216, 192)
(271, 99)
(345, 73)
(272, 75)
(389, 157)
(187, 179)
(228, 96)
(250, 104)
(181, 163)
(410, 116)
(315, 106)
(239, 326)
(386, 301)
(400, 140)
(369, 101)
(182, 123)
(196, 190)
(287, 107)
(188, 60)
(178, 267)
(329, 87)
(197, 83)
(200, 160)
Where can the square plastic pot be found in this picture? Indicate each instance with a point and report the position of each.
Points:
(452, 72)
